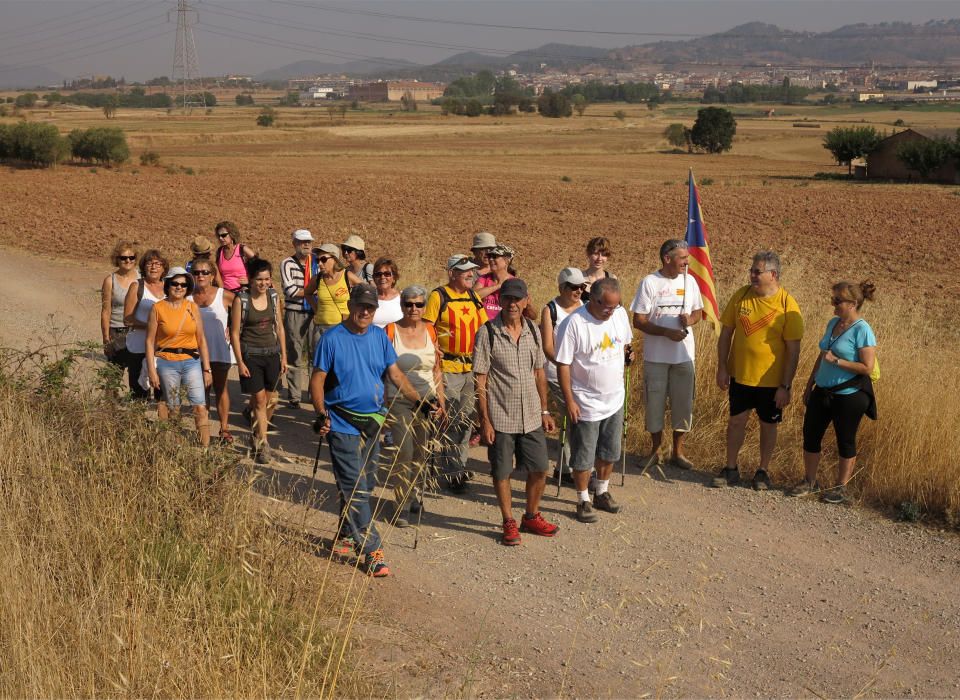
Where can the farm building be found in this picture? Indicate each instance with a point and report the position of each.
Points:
(883, 164)
(393, 90)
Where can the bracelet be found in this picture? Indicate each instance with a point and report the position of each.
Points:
(208, 370)
(544, 413)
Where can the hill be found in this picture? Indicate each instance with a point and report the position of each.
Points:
(18, 76)
(309, 68)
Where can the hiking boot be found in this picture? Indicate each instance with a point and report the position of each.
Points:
(397, 519)
(585, 512)
(458, 484)
(835, 495)
(343, 546)
(804, 488)
(605, 502)
(262, 455)
(761, 481)
(374, 564)
(681, 462)
(728, 476)
(511, 535)
(538, 526)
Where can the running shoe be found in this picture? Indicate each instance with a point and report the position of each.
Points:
(511, 535)
(761, 481)
(728, 476)
(374, 564)
(537, 526)
(804, 488)
(586, 513)
(836, 495)
(344, 546)
(605, 502)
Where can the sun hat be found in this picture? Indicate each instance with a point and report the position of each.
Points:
(201, 245)
(459, 261)
(365, 294)
(354, 241)
(484, 239)
(571, 275)
(328, 248)
(178, 272)
(302, 234)
(515, 288)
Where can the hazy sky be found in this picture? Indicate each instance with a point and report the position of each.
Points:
(134, 37)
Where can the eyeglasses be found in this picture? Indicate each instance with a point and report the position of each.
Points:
(127, 258)
(838, 300)
(323, 259)
(412, 304)
(202, 273)
(178, 285)
(385, 273)
(154, 262)
(755, 271)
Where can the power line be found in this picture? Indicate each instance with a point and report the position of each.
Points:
(111, 31)
(20, 31)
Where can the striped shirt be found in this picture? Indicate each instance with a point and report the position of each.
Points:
(291, 279)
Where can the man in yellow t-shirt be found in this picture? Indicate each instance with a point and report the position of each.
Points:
(457, 314)
(757, 359)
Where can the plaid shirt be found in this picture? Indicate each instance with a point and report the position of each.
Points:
(513, 402)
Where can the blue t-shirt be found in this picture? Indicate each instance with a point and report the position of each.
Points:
(355, 364)
(846, 347)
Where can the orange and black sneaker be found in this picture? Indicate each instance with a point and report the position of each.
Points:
(538, 526)
(343, 546)
(511, 535)
(375, 565)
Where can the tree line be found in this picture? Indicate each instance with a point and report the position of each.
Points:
(34, 143)
(737, 93)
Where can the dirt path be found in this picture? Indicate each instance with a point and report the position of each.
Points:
(688, 592)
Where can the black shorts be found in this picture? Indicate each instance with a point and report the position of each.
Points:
(264, 373)
(758, 398)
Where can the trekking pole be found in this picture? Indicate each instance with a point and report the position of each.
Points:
(427, 474)
(560, 459)
(626, 416)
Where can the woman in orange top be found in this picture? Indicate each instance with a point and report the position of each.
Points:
(177, 349)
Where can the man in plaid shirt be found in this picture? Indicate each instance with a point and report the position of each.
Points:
(508, 365)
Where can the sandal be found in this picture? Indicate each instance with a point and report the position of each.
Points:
(226, 438)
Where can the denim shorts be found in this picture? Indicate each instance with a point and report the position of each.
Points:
(593, 440)
(186, 374)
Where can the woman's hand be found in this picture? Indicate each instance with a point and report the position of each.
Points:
(242, 370)
(830, 358)
(207, 378)
(283, 365)
(153, 378)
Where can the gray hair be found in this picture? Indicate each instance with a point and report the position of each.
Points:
(770, 260)
(671, 245)
(602, 286)
(412, 292)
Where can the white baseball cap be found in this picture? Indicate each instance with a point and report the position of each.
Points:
(461, 262)
(302, 234)
(571, 275)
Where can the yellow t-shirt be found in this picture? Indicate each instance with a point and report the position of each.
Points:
(761, 327)
(456, 329)
(332, 302)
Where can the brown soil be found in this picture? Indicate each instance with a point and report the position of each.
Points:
(688, 592)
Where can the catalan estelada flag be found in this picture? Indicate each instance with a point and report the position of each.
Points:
(700, 266)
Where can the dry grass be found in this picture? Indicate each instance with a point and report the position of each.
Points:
(133, 564)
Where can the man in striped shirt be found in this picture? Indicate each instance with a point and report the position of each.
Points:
(294, 272)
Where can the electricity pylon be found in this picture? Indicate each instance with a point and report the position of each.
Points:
(186, 69)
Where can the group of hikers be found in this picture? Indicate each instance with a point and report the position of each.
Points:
(425, 374)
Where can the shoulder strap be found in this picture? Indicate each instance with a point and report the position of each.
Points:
(444, 300)
(244, 298)
(552, 308)
(140, 285)
(489, 327)
(432, 332)
(391, 330)
(533, 332)
(474, 298)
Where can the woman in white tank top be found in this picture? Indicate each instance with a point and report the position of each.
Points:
(136, 311)
(214, 302)
(418, 357)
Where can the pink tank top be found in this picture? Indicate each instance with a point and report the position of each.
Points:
(233, 270)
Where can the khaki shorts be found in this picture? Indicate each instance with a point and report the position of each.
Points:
(674, 381)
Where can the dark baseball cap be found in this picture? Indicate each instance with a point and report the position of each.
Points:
(365, 294)
(515, 288)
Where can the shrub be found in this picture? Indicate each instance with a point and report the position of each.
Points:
(267, 117)
(27, 99)
(677, 135)
(38, 144)
(620, 115)
(100, 145)
(554, 104)
(149, 158)
(926, 155)
(243, 99)
(473, 108)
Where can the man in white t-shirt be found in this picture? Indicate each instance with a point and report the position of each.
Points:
(667, 304)
(592, 344)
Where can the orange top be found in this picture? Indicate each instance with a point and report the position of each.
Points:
(176, 328)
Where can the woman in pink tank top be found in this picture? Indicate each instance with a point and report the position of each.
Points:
(232, 256)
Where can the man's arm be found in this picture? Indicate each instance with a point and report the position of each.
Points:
(400, 380)
(563, 377)
(723, 353)
(540, 377)
(782, 397)
(487, 431)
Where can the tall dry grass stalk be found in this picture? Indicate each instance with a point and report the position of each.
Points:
(133, 563)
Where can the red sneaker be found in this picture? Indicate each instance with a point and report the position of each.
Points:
(511, 535)
(538, 526)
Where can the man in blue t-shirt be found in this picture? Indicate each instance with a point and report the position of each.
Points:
(347, 392)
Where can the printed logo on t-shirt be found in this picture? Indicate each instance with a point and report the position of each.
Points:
(751, 327)
(608, 343)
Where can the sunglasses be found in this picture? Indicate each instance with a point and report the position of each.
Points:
(127, 258)
(838, 300)
(222, 235)
(383, 274)
(323, 259)
(572, 287)
(412, 304)
(201, 273)
(346, 250)
(179, 285)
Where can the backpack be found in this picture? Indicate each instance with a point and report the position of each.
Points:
(391, 331)
(244, 298)
(445, 299)
(552, 308)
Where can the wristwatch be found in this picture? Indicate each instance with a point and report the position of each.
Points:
(786, 386)
(544, 413)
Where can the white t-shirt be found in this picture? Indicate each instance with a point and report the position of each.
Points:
(550, 368)
(388, 311)
(594, 351)
(662, 300)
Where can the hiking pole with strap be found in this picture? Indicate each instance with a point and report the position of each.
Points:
(560, 460)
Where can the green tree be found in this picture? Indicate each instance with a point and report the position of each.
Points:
(243, 99)
(677, 135)
(27, 100)
(554, 104)
(52, 98)
(110, 106)
(100, 145)
(847, 144)
(714, 129)
(924, 156)
(473, 108)
(580, 104)
(38, 144)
